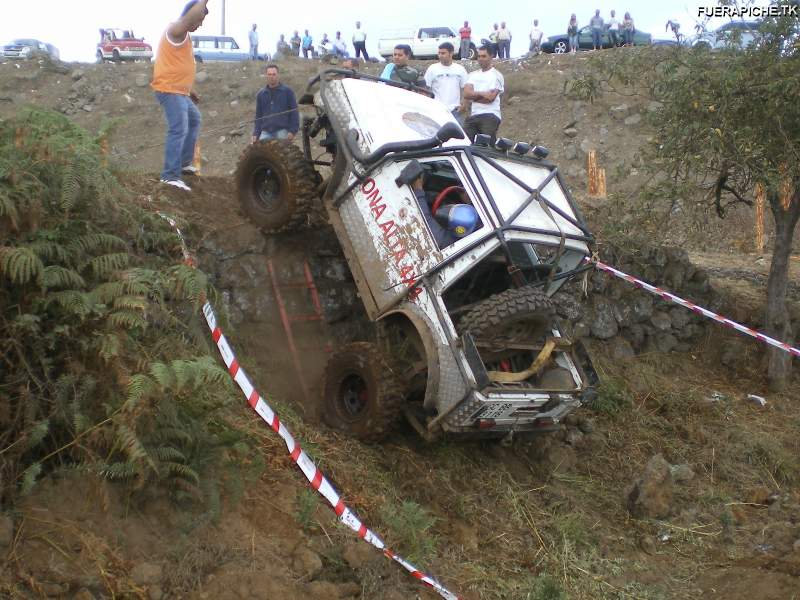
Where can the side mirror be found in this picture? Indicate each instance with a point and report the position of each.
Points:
(449, 131)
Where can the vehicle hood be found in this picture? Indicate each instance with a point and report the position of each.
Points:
(383, 113)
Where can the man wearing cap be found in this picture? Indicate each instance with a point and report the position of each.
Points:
(173, 79)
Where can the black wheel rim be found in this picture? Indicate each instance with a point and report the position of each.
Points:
(267, 188)
(352, 397)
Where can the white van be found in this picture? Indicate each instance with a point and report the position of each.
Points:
(424, 41)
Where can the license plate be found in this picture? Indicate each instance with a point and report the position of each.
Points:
(495, 411)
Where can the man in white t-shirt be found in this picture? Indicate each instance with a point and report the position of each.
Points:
(360, 42)
(613, 29)
(484, 88)
(536, 38)
(446, 79)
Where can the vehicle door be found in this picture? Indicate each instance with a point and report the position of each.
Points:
(585, 38)
(425, 44)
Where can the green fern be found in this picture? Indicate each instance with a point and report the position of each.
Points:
(104, 265)
(29, 478)
(55, 276)
(20, 265)
(127, 319)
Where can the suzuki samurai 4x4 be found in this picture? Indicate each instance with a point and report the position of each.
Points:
(457, 250)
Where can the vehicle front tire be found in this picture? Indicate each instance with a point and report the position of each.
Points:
(473, 52)
(361, 396)
(99, 57)
(561, 47)
(116, 56)
(275, 185)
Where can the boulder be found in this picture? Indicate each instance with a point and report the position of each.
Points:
(603, 324)
(661, 321)
(654, 106)
(587, 146)
(142, 80)
(642, 307)
(666, 342)
(358, 555)
(201, 77)
(514, 100)
(618, 113)
(680, 317)
(621, 349)
(650, 496)
(682, 473)
(623, 313)
(633, 119)
(570, 132)
(570, 152)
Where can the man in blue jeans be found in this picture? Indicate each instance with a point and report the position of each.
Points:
(173, 78)
(276, 110)
(597, 25)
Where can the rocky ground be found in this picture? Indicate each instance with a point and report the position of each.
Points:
(673, 485)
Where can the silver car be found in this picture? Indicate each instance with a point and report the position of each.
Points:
(736, 34)
(29, 48)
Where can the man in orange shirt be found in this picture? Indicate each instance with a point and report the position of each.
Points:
(173, 78)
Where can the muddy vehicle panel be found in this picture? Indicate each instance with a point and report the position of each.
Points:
(457, 250)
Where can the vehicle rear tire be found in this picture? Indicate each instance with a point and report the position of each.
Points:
(275, 185)
(361, 396)
(561, 47)
(519, 315)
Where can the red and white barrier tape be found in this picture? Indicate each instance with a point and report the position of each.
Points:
(695, 308)
(315, 477)
(318, 481)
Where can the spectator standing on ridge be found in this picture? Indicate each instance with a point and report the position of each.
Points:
(627, 29)
(283, 48)
(484, 88)
(252, 37)
(503, 41)
(399, 69)
(446, 79)
(308, 45)
(466, 35)
(536, 38)
(597, 26)
(493, 40)
(295, 41)
(360, 42)
(572, 33)
(613, 29)
(276, 110)
(173, 78)
(339, 46)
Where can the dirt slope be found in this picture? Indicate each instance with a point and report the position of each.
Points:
(490, 522)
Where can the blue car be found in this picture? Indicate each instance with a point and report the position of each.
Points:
(209, 48)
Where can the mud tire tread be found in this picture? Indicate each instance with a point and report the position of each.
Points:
(387, 403)
(490, 314)
(299, 182)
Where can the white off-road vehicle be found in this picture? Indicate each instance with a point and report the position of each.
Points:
(469, 338)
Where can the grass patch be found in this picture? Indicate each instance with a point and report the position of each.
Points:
(411, 525)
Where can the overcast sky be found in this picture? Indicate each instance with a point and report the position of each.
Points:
(72, 25)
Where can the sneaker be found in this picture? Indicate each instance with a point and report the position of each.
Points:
(177, 183)
(189, 170)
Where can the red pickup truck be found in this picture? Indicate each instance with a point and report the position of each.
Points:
(121, 44)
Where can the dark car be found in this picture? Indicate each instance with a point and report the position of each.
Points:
(559, 44)
(29, 48)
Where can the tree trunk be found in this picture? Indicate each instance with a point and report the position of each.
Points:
(778, 323)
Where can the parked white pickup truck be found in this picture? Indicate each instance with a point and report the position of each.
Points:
(424, 41)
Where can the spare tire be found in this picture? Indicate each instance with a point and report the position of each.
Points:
(519, 315)
(361, 394)
(275, 185)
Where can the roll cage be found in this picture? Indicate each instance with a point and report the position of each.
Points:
(405, 151)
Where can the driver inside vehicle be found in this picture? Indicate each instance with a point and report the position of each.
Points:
(458, 214)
